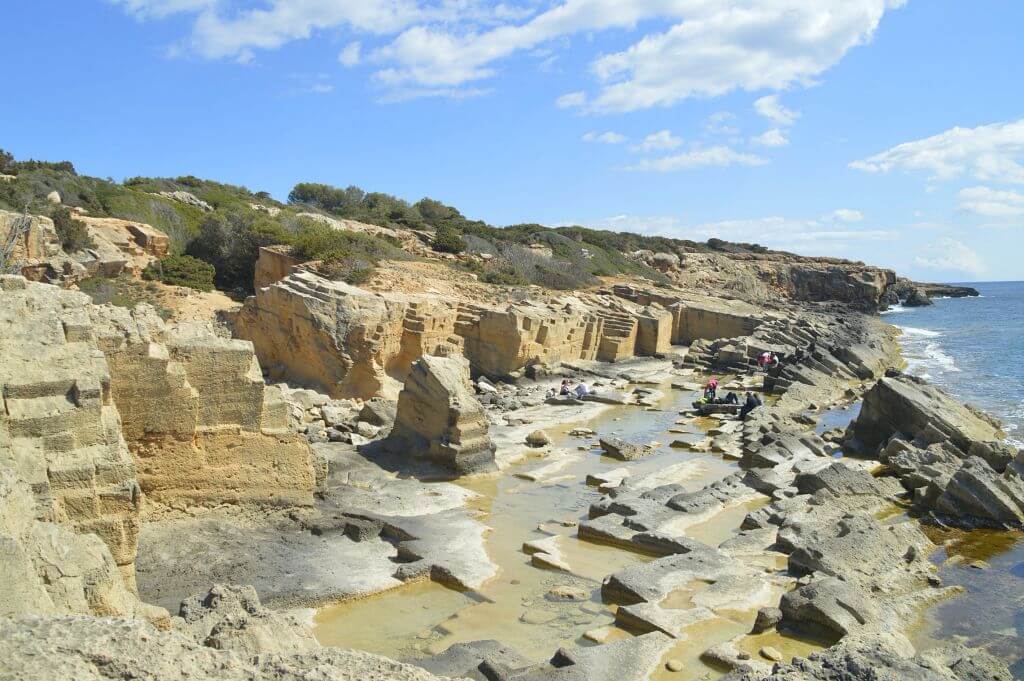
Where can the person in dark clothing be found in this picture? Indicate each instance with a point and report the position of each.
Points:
(732, 398)
(752, 403)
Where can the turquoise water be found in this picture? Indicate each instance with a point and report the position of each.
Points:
(974, 349)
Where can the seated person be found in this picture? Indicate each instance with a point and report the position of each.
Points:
(582, 389)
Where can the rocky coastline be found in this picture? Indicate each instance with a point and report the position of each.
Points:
(177, 497)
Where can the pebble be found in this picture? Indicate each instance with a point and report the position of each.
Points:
(674, 665)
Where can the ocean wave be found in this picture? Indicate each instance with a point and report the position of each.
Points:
(929, 356)
(893, 309)
(912, 331)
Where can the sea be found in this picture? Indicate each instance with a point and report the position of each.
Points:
(974, 349)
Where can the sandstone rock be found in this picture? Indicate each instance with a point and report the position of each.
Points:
(910, 406)
(918, 298)
(232, 618)
(766, 620)
(538, 438)
(439, 418)
(61, 430)
(187, 198)
(617, 448)
(45, 569)
(977, 492)
(54, 198)
(829, 607)
(877, 657)
(88, 649)
(200, 422)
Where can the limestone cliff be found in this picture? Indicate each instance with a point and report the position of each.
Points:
(357, 343)
(61, 431)
(201, 423)
(117, 246)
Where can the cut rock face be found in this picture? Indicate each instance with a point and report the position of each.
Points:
(440, 419)
(61, 431)
(203, 426)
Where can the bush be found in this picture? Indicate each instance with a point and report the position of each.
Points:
(346, 266)
(73, 234)
(124, 291)
(182, 270)
(231, 242)
(447, 239)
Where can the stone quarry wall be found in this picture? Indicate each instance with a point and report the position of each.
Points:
(273, 264)
(61, 431)
(355, 343)
(201, 423)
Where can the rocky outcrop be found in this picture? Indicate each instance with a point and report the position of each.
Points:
(46, 569)
(356, 343)
(913, 408)
(61, 430)
(187, 198)
(117, 246)
(440, 419)
(203, 427)
(948, 455)
(884, 657)
(98, 649)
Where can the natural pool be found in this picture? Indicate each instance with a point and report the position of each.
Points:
(520, 607)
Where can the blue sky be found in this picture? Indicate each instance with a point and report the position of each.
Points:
(880, 130)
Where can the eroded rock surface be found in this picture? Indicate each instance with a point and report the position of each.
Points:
(440, 419)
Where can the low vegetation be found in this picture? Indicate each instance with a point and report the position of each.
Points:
(182, 270)
(123, 291)
(229, 231)
(73, 234)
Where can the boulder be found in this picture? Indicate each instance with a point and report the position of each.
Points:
(828, 607)
(439, 418)
(378, 411)
(538, 438)
(617, 448)
(229, 617)
(910, 406)
(978, 493)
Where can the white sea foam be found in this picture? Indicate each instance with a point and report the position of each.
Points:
(893, 309)
(912, 331)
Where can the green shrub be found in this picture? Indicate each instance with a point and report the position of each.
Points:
(231, 242)
(182, 270)
(447, 239)
(124, 291)
(346, 266)
(73, 234)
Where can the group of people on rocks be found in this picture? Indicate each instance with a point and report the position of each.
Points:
(568, 389)
(751, 402)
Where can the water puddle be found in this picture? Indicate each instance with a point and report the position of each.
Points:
(989, 565)
(532, 609)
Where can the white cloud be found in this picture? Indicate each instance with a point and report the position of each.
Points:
(351, 55)
(158, 9)
(718, 123)
(845, 215)
(770, 138)
(571, 100)
(663, 140)
(697, 158)
(992, 202)
(810, 237)
(321, 88)
(708, 49)
(604, 137)
(988, 153)
(772, 109)
(949, 255)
